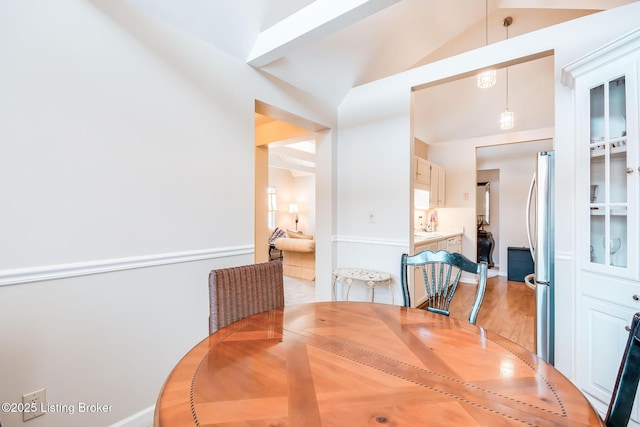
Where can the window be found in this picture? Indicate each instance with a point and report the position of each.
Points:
(273, 207)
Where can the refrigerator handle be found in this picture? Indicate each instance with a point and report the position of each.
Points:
(528, 216)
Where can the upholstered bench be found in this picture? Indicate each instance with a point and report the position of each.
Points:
(299, 257)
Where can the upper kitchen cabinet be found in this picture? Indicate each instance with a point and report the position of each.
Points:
(423, 171)
(607, 177)
(430, 177)
(437, 186)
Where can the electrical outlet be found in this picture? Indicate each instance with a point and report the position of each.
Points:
(34, 404)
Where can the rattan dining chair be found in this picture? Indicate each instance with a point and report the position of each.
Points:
(441, 272)
(624, 391)
(239, 292)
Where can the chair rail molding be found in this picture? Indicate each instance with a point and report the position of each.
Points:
(370, 241)
(60, 271)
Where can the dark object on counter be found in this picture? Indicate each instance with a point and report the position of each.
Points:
(485, 247)
(519, 263)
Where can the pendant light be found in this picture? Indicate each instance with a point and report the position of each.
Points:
(506, 118)
(486, 78)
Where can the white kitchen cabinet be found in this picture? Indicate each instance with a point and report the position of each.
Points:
(419, 290)
(437, 186)
(454, 244)
(607, 175)
(441, 187)
(607, 307)
(430, 177)
(423, 171)
(446, 241)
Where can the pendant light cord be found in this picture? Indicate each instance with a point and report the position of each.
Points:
(507, 21)
(507, 76)
(486, 22)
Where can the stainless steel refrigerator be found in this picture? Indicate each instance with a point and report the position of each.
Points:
(540, 231)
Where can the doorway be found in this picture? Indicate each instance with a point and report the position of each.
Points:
(508, 169)
(455, 117)
(285, 167)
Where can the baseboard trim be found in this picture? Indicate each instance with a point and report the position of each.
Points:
(139, 419)
(61, 271)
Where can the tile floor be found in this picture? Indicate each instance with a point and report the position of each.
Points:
(298, 291)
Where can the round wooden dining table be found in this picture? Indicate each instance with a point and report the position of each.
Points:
(362, 364)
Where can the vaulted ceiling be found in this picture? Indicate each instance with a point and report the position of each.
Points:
(326, 47)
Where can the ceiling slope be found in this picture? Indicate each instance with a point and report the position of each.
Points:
(326, 47)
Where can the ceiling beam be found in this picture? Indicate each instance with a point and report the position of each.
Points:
(275, 162)
(293, 153)
(288, 141)
(309, 24)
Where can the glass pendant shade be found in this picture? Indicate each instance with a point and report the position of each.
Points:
(506, 119)
(486, 79)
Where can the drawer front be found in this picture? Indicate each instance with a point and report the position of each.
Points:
(615, 290)
(454, 244)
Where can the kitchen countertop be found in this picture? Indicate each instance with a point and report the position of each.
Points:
(424, 237)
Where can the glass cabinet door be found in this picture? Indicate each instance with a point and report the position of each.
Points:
(608, 173)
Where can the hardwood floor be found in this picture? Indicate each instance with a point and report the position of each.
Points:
(508, 309)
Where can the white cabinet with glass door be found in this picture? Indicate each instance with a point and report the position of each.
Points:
(612, 169)
(605, 87)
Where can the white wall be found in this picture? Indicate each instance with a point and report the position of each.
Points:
(305, 195)
(282, 180)
(295, 189)
(374, 180)
(374, 132)
(127, 171)
(458, 110)
(326, 211)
